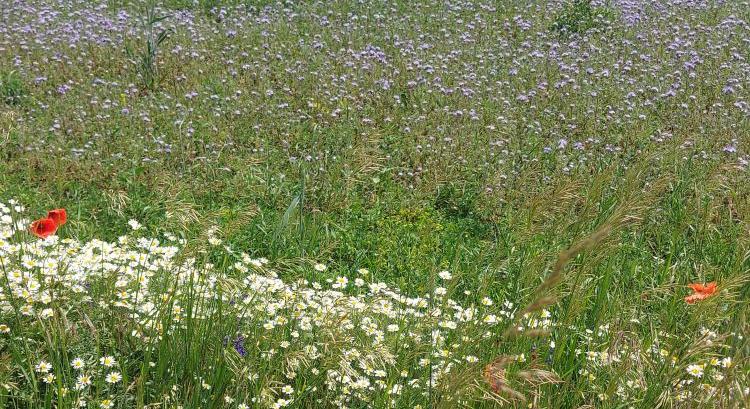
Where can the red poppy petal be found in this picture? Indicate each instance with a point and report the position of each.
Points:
(697, 287)
(43, 228)
(60, 216)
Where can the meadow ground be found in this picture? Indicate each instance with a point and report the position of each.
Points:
(374, 204)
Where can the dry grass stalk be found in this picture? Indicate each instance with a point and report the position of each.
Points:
(495, 376)
(630, 212)
(538, 377)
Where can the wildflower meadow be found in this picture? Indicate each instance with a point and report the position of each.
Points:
(374, 204)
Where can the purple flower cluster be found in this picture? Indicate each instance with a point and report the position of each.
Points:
(450, 82)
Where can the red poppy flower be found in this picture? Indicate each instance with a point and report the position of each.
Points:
(701, 292)
(60, 216)
(43, 228)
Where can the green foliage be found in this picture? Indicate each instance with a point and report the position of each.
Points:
(455, 201)
(580, 16)
(405, 239)
(12, 89)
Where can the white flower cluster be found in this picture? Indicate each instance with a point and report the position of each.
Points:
(633, 362)
(364, 343)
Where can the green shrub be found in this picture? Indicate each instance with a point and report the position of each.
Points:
(580, 16)
(456, 202)
(12, 89)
